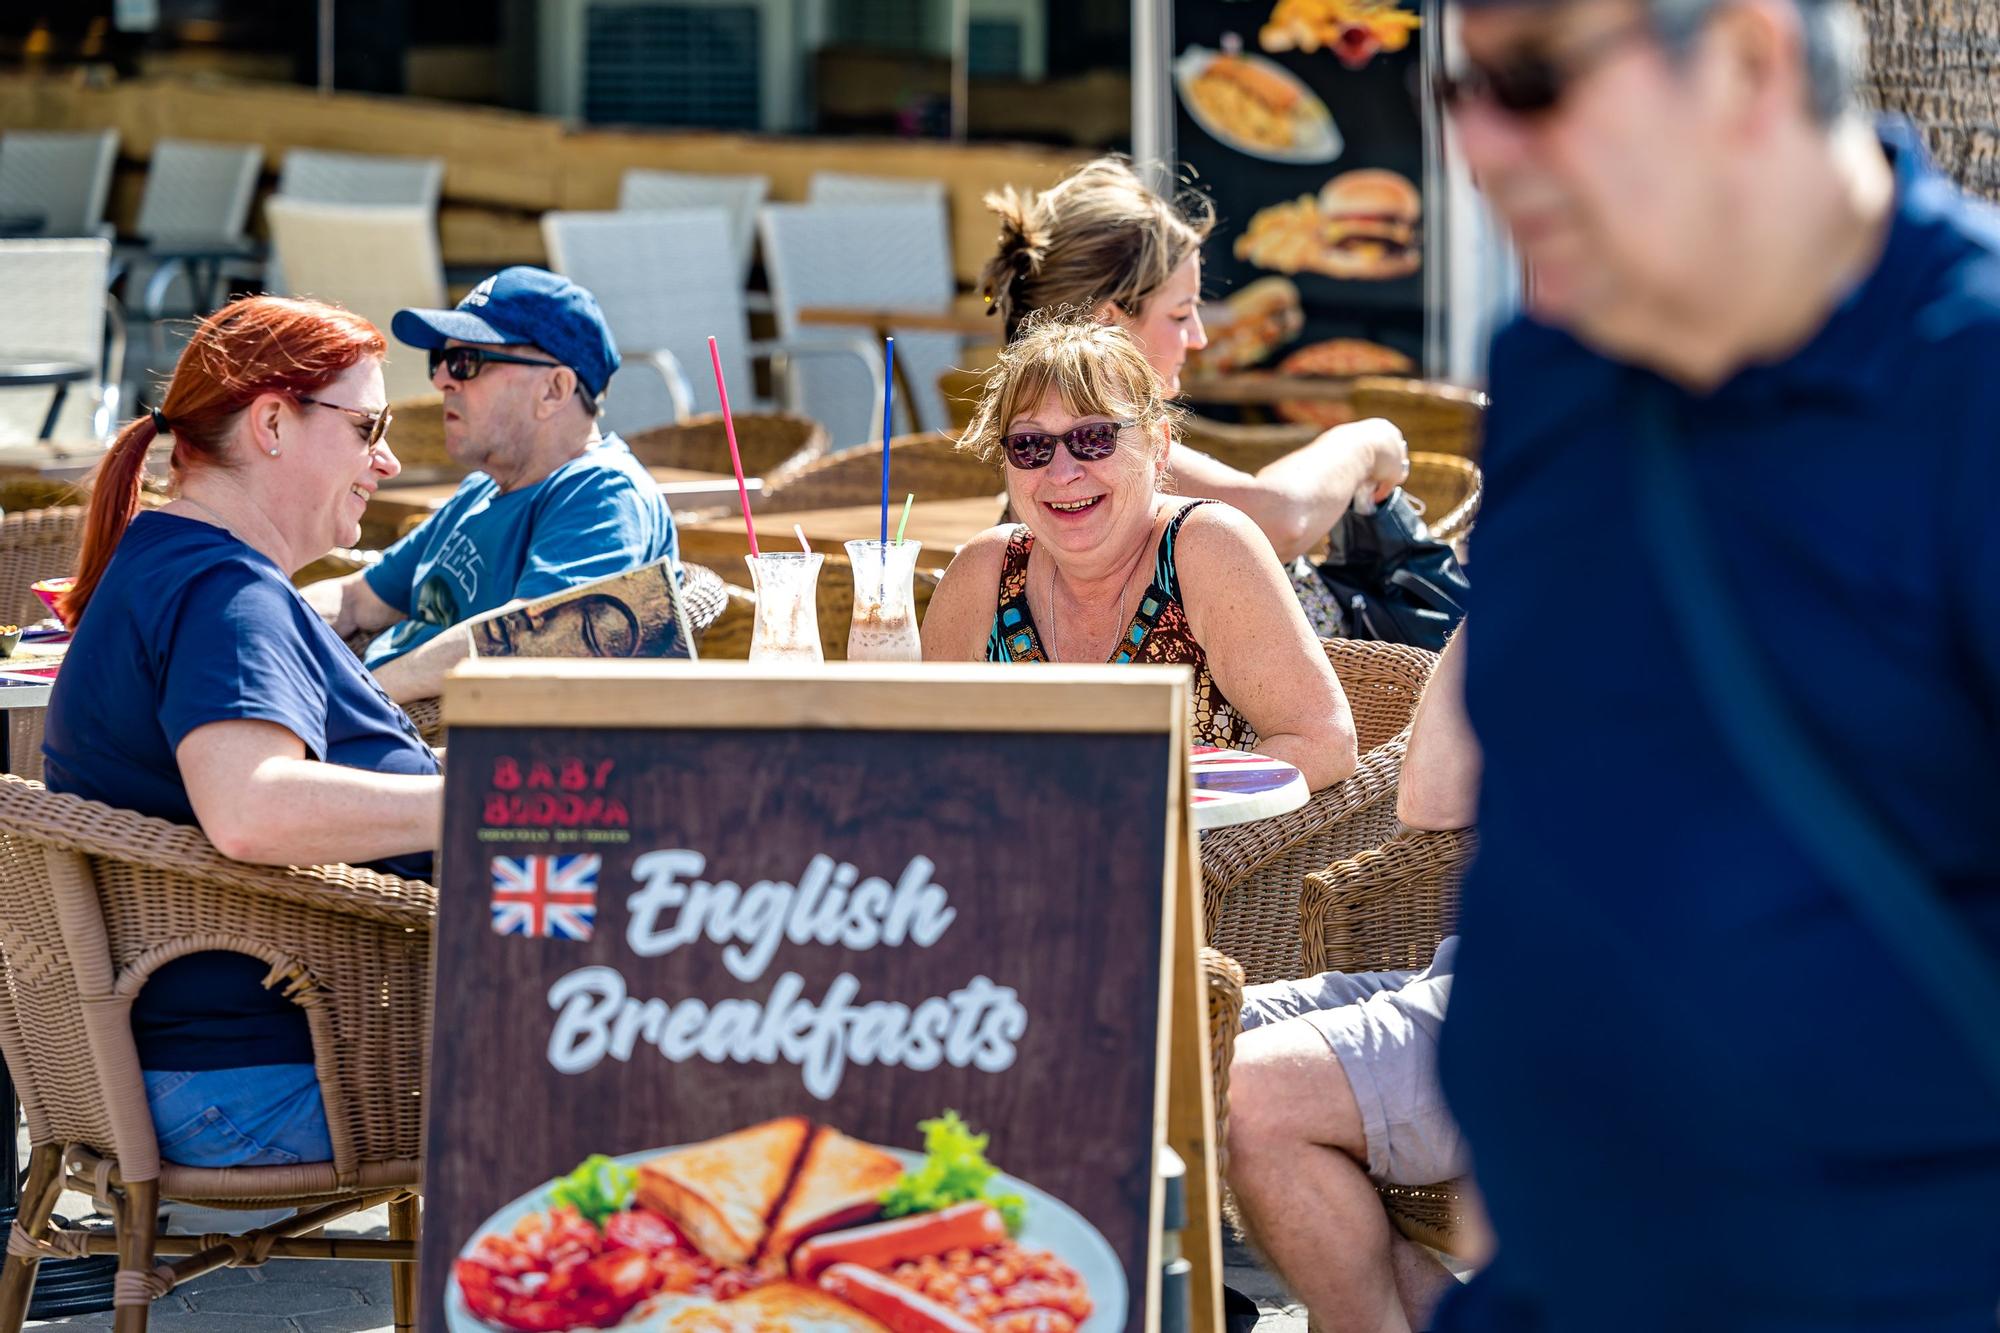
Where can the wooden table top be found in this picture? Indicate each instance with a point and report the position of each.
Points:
(683, 487)
(967, 317)
(942, 526)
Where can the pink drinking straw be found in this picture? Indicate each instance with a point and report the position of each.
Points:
(888, 409)
(735, 459)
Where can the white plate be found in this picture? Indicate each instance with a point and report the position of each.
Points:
(1050, 1225)
(1315, 139)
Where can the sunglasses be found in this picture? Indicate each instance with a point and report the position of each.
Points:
(1093, 443)
(378, 422)
(465, 363)
(1533, 84)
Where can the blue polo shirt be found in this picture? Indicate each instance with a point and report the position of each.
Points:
(1700, 1092)
(597, 515)
(190, 626)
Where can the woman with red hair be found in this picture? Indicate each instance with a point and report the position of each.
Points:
(201, 688)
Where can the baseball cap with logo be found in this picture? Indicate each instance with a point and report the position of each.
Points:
(524, 305)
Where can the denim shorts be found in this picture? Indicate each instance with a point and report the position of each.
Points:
(260, 1115)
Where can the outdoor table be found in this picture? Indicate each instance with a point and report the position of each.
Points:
(27, 370)
(205, 258)
(941, 526)
(967, 317)
(1238, 787)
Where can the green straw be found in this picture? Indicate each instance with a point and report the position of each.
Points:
(908, 500)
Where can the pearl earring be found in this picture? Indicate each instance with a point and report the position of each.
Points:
(274, 453)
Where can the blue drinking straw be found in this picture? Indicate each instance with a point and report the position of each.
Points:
(888, 410)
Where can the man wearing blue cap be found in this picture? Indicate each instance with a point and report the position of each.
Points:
(522, 363)
(1722, 1036)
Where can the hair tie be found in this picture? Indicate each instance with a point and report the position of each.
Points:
(159, 423)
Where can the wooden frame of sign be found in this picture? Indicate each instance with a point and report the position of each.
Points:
(975, 885)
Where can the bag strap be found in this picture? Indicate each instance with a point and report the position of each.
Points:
(1881, 881)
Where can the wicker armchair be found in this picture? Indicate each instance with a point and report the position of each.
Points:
(97, 899)
(775, 446)
(729, 638)
(1450, 489)
(1434, 417)
(1384, 910)
(36, 544)
(1251, 873)
(930, 465)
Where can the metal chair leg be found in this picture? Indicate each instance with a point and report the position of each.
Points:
(38, 1202)
(138, 1216)
(404, 1224)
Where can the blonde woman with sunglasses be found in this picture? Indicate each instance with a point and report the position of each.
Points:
(1108, 568)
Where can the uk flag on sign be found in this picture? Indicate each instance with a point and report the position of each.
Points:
(551, 897)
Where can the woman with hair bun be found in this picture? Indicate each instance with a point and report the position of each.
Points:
(1100, 243)
(201, 688)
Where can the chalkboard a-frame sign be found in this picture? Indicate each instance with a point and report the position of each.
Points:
(774, 943)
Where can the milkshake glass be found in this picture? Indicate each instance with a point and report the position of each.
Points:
(787, 586)
(884, 628)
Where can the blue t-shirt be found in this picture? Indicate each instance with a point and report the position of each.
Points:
(597, 515)
(190, 626)
(1667, 1029)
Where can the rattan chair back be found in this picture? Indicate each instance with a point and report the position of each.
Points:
(1435, 417)
(37, 544)
(774, 446)
(929, 465)
(1450, 489)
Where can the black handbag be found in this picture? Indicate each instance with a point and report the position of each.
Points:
(1393, 580)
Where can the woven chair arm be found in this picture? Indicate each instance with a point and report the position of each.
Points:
(1229, 854)
(94, 829)
(1225, 1018)
(1384, 909)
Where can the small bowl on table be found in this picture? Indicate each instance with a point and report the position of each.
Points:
(49, 590)
(10, 639)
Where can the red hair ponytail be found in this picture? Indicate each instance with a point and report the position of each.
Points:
(255, 345)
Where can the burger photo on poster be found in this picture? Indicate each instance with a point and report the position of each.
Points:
(1364, 225)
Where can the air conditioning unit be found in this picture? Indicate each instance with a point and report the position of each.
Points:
(1006, 39)
(713, 64)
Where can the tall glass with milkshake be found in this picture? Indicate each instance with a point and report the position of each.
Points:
(787, 587)
(884, 628)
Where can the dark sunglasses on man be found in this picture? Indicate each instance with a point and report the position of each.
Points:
(1533, 83)
(1093, 443)
(465, 363)
(378, 422)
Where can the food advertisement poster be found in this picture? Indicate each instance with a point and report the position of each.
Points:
(1302, 120)
(745, 1029)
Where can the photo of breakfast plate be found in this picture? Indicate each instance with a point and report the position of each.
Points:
(1362, 225)
(1256, 106)
(789, 1226)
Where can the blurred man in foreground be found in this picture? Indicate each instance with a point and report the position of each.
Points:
(1701, 1089)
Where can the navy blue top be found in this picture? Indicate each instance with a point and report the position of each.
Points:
(190, 626)
(1668, 1033)
(597, 515)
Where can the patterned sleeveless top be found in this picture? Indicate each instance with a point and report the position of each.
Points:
(1159, 632)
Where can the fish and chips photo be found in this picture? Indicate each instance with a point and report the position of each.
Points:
(790, 1226)
(1256, 106)
(1363, 225)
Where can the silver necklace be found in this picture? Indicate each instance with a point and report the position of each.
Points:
(220, 520)
(1055, 647)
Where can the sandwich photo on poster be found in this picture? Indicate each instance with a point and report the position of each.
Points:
(806, 1029)
(1302, 121)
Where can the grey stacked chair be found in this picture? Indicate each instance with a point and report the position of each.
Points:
(374, 259)
(645, 191)
(53, 293)
(666, 281)
(194, 214)
(893, 256)
(360, 178)
(62, 177)
(841, 187)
